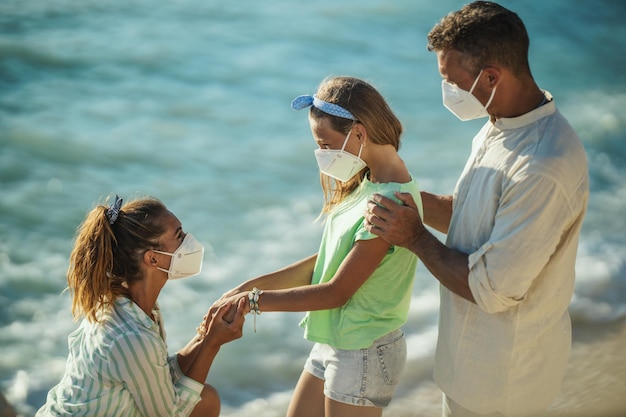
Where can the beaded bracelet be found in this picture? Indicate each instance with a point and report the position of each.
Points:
(253, 296)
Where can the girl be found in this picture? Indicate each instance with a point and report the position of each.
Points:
(118, 364)
(357, 288)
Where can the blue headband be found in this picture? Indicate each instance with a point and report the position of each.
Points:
(301, 102)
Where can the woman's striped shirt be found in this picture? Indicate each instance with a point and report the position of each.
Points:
(120, 367)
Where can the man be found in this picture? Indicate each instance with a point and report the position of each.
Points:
(512, 224)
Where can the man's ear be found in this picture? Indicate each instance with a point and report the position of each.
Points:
(493, 75)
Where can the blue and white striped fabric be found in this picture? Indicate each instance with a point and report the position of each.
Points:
(120, 367)
(303, 101)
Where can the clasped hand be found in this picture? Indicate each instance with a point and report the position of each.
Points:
(224, 321)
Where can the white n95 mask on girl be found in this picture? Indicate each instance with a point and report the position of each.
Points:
(186, 259)
(338, 163)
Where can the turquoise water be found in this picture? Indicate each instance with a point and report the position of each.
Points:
(188, 101)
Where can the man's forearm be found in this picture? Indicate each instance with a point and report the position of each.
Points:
(437, 211)
(449, 266)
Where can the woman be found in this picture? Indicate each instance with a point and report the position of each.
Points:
(357, 288)
(118, 363)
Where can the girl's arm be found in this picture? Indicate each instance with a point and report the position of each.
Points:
(294, 275)
(355, 269)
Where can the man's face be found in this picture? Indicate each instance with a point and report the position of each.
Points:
(451, 70)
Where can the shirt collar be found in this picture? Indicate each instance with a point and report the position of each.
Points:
(531, 117)
(135, 313)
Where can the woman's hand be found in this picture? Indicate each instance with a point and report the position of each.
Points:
(223, 322)
(196, 358)
(234, 302)
(231, 298)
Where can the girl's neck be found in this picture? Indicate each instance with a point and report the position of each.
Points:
(386, 166)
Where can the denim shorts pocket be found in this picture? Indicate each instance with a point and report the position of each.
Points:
(392, 357)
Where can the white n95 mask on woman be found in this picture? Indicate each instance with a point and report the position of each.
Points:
(186, 259)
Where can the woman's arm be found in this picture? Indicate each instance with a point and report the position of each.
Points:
(196, 358)
(139, 363)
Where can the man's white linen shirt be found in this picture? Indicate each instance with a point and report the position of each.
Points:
(518, 208)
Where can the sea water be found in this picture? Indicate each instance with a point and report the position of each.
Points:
(188, 101)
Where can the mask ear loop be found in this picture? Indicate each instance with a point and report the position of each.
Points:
(493, 92)
(476, 81)
(361, 147)
(163, 253)
(345, 142)
(360, 150)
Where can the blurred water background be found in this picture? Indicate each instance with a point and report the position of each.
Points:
(188, 101)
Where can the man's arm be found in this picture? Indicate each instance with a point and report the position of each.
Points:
(401, 225)
(437, 211)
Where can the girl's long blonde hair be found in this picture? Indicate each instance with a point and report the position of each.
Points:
(106, 257)
(371, 110)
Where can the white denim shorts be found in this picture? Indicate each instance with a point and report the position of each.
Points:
(365, 377)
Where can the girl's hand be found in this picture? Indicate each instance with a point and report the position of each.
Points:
(229, 294)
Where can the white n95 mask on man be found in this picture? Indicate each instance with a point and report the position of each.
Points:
(463, 104)
(186, 259)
